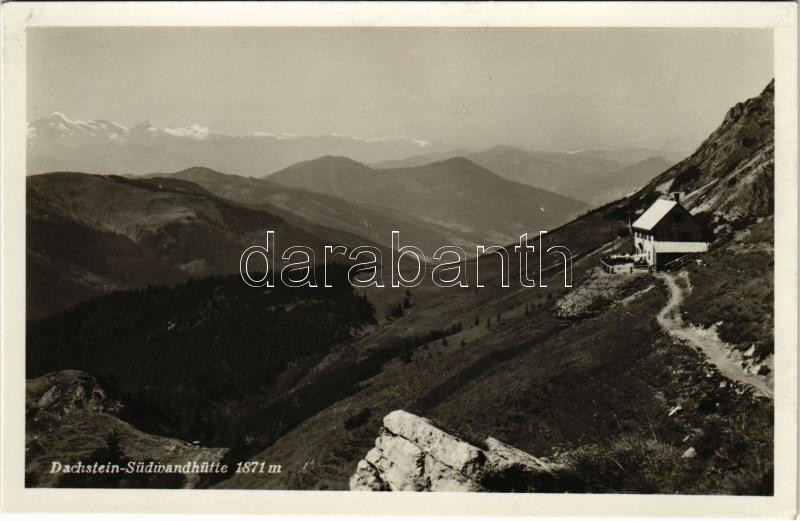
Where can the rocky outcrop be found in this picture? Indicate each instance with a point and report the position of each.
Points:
(731, 174)
(412, 454)
(71, 417)
(70, 392)
(597, 293)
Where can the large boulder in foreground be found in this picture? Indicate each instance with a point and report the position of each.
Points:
(412, 454)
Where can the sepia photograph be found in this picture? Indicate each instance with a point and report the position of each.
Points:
(497, 258)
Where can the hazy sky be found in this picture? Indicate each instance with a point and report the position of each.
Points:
(558, 89)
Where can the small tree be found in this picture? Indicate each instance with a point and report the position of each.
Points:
(113, 454)
(396, 311)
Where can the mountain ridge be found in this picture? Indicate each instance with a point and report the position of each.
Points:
(142, 232)
(609, 186)
(456, 193)
(731, 174)
(308, 209)
(585, 175)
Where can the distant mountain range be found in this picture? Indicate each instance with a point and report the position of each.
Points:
(610, 186)
(596, 176)
(588, 175)
(58, 143)
(473, 203)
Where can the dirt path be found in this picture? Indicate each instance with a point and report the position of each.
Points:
(669, 318)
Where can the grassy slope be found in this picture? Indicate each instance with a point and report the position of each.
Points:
(735, 289)
(595, 392)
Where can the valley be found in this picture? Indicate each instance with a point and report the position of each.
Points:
(475, 205)
(133, 281)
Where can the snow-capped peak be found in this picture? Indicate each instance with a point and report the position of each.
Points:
(384, 139)
(144, 125)
(59, 126)
(192, 132)
(59, 115)
(273, 135)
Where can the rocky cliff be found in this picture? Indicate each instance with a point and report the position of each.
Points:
(730, 175)
(412, 454)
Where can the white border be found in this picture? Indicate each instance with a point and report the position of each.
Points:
(16, 17)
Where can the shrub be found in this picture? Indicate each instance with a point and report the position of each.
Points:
(630, 464)
(358, 419)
